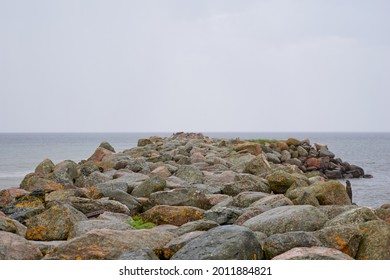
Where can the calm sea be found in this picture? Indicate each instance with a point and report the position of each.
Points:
(20, 153)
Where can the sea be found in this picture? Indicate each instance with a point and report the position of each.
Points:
(20, 153)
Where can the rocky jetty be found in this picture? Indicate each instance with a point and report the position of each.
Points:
(191, 197)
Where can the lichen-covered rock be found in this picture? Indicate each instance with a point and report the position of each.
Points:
(272, 201)
(177, 243)
(107, 146)
(64, 195)
(248, 147)
(313, 253)
(149, 186)
(375, 244)
(82, 227)
(222, 243)
(174, 215)
(280, 181)
(181, 197)
(44, 168)
(33, 182)
(353, 217)
(87, 206)
(245, 183)
(345, 238)
(329, 193)
(107, 244)
(257, 166)
(65, 173)
(54, 223)
(190, 174)
(288, 218)
(245, 199)
(279, 243)
(15, 247)
(13, 226)
(8, 196)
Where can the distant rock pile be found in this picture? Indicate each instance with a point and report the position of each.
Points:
(192, 197)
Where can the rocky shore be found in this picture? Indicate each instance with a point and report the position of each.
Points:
(188, 196)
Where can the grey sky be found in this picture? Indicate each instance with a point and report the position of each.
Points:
(266, 65)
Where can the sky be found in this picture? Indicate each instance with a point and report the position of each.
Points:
(220, 66)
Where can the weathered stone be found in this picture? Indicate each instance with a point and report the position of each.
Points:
(250, 213)
(285, 155)
(46, 246)
(313, 162)
(313, 253)
(324, 152)
(345, 238)
(65, 195)
(271, 157)
(245, 183)
(86, 205)
(143, 142)
(161, 171)
(334, 174)
(181, 197)
(92, 180)
(272, 201)
(109, 244)
(139, 254)
(15, 247)
(375, 244)
(247, 147)
(190, 174)
(13, 226)
(100, 154)
(279, 243)
(83, 227)
(353, 217)
(306, 198)
(54, 223)
(176, 244)
(334, 210)
(206, 189)
(149, 186)
(257, 166)
(329, 193)
(245, 199)
(118, 217)
(199, 225)
(280, 181)
(65, 173)
(215, 199)
(126, 199)
(288, 218)
(302, 152)
(219, 179)
(125, 183)
(36, 183)
(222, 243)
(293, 142)
(223, 215)
(174, 215)
(107, 146)
(44, 168)
(8, 196)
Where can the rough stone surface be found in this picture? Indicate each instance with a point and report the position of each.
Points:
(190, 174)
(288, 218)
(313, 253)
(199, 225)
(222, 243)
(272, 201)
(375, 244)
(329, 193)
(257, 166)
(14, 247)
(146, 188)
(181, 197)
(139, 254)
(355, 216)
(174, 215)
(83, 227)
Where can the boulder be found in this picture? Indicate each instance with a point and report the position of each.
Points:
(65, 195)
(100, 154)
(329, 193)
(279, 243)
(15, 247)
(285, 155)
(32, 182)
(293, 142)
(245, 183)
(174, 215)
(313, 253)
(108, 244)
(288, 218)
(313, 163)
(13, 226)
(161, 171)
(83, 227)
(219, 179)
(126, 199)
(54, 223)
(345, 238)
(125, 183)
(190, 174)
(8, 196)
(223, 215)
(177, 243)
(334, 210)
(65, 173)
(272, 201)
(143, 142)
(139, 254)
(87, 206)
(206, 189)
(306, 198)
(44, 168)
(149, 186)
(271, 157)
(93, 179)
(302, 152)
(199, 225)
(257, 166)
(280, 181)
(250, 213)
(248, 147)
(222, 243)
(375, 244)
(245, 199)
(107, 146)
(181, 197)
(354, 216)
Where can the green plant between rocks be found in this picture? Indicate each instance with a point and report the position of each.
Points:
(138, 223)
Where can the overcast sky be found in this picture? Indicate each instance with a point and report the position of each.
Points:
(132, 66)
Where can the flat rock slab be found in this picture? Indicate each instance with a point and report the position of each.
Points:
(222, 243)
(313, 253)
(288, 218)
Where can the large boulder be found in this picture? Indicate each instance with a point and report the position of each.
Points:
(181, 197)
(313, 253)
(107, 244)
(280, 181)
(272, 201)
(53, 224)
(288, 218)
(198, 225)
(126, 199)
(257, 166)
(149, 186)
(222, 243)
(173, 215)
(83, 227)
(245, 199)
(44, 168)
(13, 226)
(245, 183)
(100, 154)
(125, 183)
(375, 244)
(33, 182)
(248, 147)
(279, 243)
(223, 215)
(8, 196)
(65, 173)
(15, 247)
(88, 206)
(354, 216)
(329, 193)
(190, 174)
(345, 238)
(177, 243)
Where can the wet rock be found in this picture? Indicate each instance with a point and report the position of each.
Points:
(375, 244)
(190, 174)
(222, 243)
(174, 215)
(54, 223)
(15, 247)
(107, 244)
(288, 218)
(313, 253)
(279, 243)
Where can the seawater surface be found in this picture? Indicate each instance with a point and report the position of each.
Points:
(20, 153)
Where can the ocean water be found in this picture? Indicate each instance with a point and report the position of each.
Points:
(20, 153)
